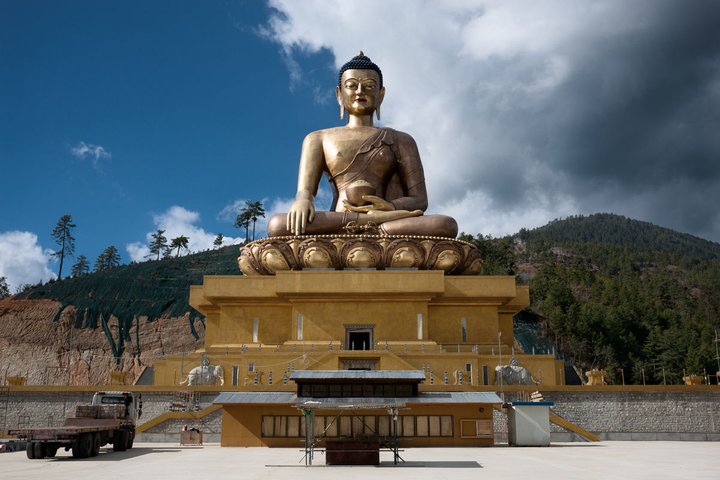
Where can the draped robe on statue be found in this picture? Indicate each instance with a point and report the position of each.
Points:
(389, 161)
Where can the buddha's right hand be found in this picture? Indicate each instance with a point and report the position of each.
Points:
(300, 214)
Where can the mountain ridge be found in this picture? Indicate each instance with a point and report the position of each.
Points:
(621, 231)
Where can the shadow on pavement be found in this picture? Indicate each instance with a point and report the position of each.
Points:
(438, 464)
(107, 455)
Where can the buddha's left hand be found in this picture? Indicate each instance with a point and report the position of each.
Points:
(376, 203)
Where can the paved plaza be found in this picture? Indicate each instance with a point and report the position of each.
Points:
(584, 461)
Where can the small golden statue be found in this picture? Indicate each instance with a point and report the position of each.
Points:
(375, 173)
(377, 216)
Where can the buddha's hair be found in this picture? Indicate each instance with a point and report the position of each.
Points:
(360, 62)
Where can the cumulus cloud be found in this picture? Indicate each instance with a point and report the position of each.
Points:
(23, 260)
(95, 153)
(177, 221)
(541, 109)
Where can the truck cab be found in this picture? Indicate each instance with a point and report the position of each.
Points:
(131, 401)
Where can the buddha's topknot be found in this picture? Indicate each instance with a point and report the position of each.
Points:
(360, 62)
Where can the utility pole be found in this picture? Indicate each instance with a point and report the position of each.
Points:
(500, 365)
(717, 354)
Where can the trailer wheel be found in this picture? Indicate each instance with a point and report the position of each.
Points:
(39, 448)
(95, 445)
(120, 440)
(30, 450)
(131, 439)
(82, 446)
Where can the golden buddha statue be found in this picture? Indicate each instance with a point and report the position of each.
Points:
(375, 173)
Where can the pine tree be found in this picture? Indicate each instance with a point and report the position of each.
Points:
(256, 211)
(243, 221)
(109, 258)
(81, 266)
(158, 244)
(252, 211)
(62, 233)
(179, 243)
(218, 240)
(4, 288)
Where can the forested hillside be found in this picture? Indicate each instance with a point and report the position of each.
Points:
(152, 289)
(620, 294)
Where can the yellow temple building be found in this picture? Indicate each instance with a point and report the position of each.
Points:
(265, 330)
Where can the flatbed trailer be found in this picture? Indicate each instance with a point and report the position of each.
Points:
(89, 430)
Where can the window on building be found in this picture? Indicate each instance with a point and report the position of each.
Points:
(349, 426)
(235, 374)
(408, 425)
(474, 428)
(256, 329)
(293, 427)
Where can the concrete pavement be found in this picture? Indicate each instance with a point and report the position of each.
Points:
(585, 461)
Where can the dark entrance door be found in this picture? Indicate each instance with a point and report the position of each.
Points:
(359, 340)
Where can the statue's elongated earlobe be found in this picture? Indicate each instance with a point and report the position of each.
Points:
(338, 95)
(377, 112)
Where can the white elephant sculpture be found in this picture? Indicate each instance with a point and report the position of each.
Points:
(514, 374)
(205, 375)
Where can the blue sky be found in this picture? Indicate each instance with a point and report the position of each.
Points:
(138, 115)
(114, 112)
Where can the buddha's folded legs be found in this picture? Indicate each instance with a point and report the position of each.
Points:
(334, 223)
(427, 225)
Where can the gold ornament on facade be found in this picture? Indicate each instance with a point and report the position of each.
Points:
(358, 253)
(404, 254)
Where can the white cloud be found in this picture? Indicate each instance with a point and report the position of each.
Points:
(95, 153)
(22, 260)
(230, 211)
(138, 252)
(177, 221)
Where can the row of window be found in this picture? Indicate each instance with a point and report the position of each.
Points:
(349, 426)
(323, 390)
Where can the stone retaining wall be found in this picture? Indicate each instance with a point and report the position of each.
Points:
(633, 415)
(169, 431)
(613, 414)
(49, 409)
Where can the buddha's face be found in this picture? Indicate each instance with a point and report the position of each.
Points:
(360, 92)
